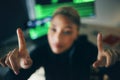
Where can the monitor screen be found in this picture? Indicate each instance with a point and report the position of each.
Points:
(44, 9)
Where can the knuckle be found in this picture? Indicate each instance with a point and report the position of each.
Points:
(11, 56)
(6, 61)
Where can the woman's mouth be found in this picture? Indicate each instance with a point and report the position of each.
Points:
(57, 45)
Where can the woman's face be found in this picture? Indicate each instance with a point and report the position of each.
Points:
(62, 34)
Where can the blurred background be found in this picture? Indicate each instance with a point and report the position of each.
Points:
(33, 17)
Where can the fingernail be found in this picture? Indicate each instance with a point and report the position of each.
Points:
(16, 73)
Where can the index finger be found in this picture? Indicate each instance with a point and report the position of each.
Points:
(21, 39)
(99, 42)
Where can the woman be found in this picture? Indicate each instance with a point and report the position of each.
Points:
(66, 55)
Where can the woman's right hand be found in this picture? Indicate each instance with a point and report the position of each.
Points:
(18, 58)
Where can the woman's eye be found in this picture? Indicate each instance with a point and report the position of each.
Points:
(53, 29)
(67, 32)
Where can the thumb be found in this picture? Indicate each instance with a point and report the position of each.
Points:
(96, 64)
(25, 63)
(101, 62)
(28, 61)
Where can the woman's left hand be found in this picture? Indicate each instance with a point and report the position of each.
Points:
(103, 58)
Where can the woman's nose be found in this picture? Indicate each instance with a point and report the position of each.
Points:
(58, 38)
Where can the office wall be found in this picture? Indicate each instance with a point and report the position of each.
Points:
(107, 13)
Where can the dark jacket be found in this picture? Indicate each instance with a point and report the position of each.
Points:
(73, 64)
